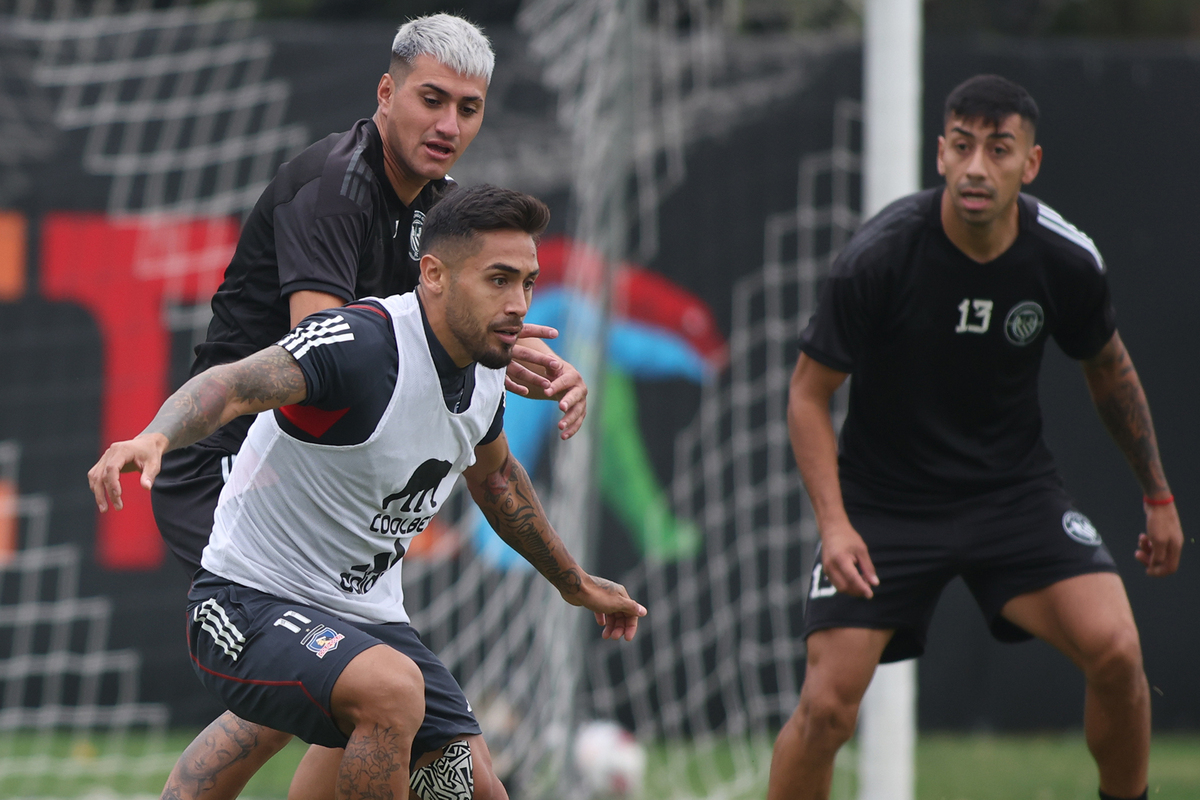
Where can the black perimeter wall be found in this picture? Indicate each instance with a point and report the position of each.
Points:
(1119, 121)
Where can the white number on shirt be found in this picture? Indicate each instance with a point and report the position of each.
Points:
(982, 315)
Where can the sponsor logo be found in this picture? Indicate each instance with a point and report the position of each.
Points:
(1080, 528)
(1024, 322)
(414, 236)
(321, 640)
(423, 483)
(399, 526)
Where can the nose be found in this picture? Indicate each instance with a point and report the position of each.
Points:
(976, 167)
(447, 123)
(516, 301)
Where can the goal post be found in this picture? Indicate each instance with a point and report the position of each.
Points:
(892, 38)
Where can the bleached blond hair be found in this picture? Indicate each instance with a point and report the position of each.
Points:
(460, 45)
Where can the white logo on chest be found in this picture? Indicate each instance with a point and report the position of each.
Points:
(1023, 323)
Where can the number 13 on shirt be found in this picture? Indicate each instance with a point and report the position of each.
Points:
(982, 314)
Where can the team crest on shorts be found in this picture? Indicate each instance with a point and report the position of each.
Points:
(322, 639)
(1023, 323)
(1080, 528)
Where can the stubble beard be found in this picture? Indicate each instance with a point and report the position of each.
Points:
(473, 336)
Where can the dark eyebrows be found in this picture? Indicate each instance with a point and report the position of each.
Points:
(510, 270)
(433, 87)
(994, 135)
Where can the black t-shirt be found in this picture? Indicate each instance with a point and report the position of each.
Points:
(329, 222)
(944, 352)
(349, 360)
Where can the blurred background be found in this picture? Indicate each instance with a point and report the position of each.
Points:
(702, 163)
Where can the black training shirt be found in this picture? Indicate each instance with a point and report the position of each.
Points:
(944, 352)
(329, 222)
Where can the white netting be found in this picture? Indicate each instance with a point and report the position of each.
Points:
(175, 101)
(69, 711)
(175, 107)
(716, 670)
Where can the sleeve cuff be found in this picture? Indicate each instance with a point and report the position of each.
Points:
(288, 289)
(825, 359)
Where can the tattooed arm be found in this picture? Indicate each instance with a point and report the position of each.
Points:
(502, 490)
(268, 379)
(1119, 398)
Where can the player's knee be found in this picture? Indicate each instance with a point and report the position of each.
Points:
(380, 687)
(826, 717)
(272, 740)
(1117, 660)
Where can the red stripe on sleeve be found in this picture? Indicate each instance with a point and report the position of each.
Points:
(376, 309)
(313, 421)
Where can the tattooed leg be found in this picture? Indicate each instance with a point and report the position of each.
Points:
(375, 766)
(379, 701)
(218, 762)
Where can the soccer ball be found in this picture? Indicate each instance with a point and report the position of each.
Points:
(609, 760)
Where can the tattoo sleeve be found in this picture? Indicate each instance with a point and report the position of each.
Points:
(507, 499)
(1122, 405)
(267, 379)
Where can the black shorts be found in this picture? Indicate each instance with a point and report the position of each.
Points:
(184, 498)
(1007, 544)
(275, 662)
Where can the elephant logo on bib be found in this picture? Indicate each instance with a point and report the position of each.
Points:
(425, 479)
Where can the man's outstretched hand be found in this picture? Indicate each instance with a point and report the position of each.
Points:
(1160, 546)
(615, 610)
(143, 453)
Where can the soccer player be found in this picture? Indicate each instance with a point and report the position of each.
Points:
(341, 221)
(940, 307)
(366, 417)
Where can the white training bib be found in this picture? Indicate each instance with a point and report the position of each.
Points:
(327, 525)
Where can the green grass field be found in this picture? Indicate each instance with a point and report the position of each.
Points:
(949, 767)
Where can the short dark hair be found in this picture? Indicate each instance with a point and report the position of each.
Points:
(463, 212)
(991, 98)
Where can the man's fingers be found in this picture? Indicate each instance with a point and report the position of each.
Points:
(519, 372)
(618, 626)
(538, 331)
(112, 485)
(96, 483)
(572, 421)
(514, 387)
(541, 358)
(846, 578)
(867, 568)
(150, 471)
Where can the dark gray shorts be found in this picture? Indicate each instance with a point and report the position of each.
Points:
(1007, 544)
(275, 662)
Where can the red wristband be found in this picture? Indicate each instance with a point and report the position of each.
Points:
(1162, 501)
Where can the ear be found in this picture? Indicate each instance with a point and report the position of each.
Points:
(941, 164)
(1033, 164)
(385, 91)
(434, 274)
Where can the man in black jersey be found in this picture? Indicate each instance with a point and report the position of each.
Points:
(340, 221)
(940, 307)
